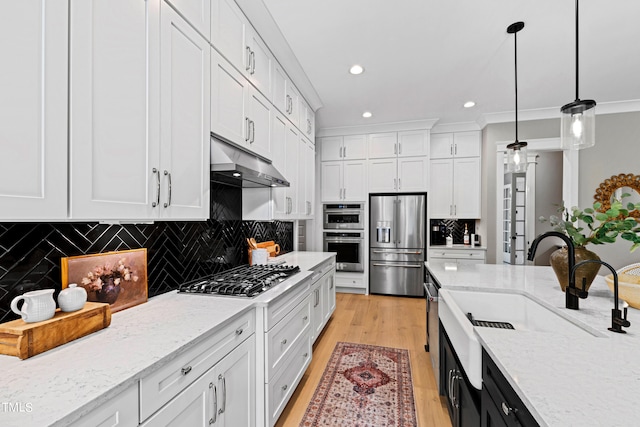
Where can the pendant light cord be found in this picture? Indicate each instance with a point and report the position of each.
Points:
(515, 38)
(577, 53)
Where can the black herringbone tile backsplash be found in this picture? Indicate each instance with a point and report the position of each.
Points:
(176, 251)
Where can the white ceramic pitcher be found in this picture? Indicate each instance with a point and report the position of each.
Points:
(38, 305)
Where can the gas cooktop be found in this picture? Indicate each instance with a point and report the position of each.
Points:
(244, 280)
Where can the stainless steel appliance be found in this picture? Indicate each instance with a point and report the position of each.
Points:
(397, 244)
(349, 247)
(433, 337)
(244, 281)
(343, 216)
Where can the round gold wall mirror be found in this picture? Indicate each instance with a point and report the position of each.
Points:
(615, 187)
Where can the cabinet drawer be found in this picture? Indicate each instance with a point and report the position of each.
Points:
(281, 387)
(160, 386)
(285, 335)
(121, 411)
(322, 269)
(350, 282)
(283, 306)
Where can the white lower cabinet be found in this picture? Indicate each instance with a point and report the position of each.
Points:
(458, 256)
(323, 302)
(121, 411)
(223, 396)
(167, 383)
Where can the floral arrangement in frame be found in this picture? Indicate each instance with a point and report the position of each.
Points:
(118, 278)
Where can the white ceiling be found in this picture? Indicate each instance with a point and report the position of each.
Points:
(424, 58)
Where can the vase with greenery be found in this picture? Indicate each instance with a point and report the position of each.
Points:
(591, 225)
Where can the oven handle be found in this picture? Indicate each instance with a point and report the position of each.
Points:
(398, 265)
(344, 240)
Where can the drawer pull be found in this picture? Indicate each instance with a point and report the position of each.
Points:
(284, 387)
(305, 355)
(239, 331)
(284, 341)
(305, 318)
(214, 397)
(185, 370)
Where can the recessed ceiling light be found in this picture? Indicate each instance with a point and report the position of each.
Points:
(367, 114)
(356, 69)
(469, 104)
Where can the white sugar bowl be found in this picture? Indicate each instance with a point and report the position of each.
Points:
(72, 298)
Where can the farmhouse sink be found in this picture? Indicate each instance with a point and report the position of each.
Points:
(521, 311)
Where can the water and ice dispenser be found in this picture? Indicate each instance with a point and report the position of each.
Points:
(383, 232)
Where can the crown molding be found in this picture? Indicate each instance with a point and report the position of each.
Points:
(455, 127)
(615, 107)
(377, 127)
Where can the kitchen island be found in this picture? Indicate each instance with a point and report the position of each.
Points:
(582, 380)
(66, 384)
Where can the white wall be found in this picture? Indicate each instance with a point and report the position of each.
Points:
(617, 151)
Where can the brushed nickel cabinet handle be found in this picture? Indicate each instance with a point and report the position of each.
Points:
(224, 394)
(214, 397)
(239, 331)
(185, 370)
(157, 174)
(168, 175)
(248, 52)
(253, 62)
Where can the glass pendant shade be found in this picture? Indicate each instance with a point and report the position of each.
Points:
(578, 125)
(517, 157)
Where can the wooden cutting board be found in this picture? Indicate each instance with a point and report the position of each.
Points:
(18, 338)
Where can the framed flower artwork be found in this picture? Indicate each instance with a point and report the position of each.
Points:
(117, 278)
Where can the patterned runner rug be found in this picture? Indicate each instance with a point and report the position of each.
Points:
(363, 386)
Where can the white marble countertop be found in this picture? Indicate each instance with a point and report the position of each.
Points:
(63, 383)
(564, 381)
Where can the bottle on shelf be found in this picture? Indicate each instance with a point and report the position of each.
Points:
(467, 242)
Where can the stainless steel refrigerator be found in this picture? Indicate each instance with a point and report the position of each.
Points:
(397, 244)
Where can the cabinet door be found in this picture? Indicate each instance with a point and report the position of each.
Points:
(441, 191)
(383, 145)
(279, 156)
(489, 412)
(259, 72)
(317, 316)
(192, 407)
(467, 187)
(355, 181)
(113, 148)
(307, 120)
(329, 290)
(185, 119)
(412, 173)
(293, 146)
(467, 144)
(196, 12)
(413, 143)
(331, 147)
(236, 382)
(228, 28)
(279, 88)
(120, 411)
(293, 107)
(332, 178)
(383, 175)
(307, 176)
(229, 90)
(260, 123)
(33, 131)
(441, 145)
(354, 147)
(301, 179)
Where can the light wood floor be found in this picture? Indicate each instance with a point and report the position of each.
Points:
(379, 320)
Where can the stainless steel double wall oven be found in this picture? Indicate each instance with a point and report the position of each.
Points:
(344, 234)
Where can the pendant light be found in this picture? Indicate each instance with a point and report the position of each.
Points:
(578, 119)
(516, 151)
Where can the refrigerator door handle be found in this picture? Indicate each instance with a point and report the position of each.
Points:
(398, 201)
(375, 264)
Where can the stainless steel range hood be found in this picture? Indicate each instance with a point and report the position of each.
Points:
(234, 165)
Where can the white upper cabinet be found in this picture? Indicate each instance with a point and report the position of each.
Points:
(350, 147)
(234, 37)
(33, 106)
(455, 170)
(286, 97)
(259, 123)
(459, 144)
(228, 30)
(185, 119)
(383, 145)
(230, 92)
(344, 180)
(307, 121)
(398, 144)
(196, 12)
(113, 149)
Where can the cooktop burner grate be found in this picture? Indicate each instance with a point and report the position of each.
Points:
(244, 280)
